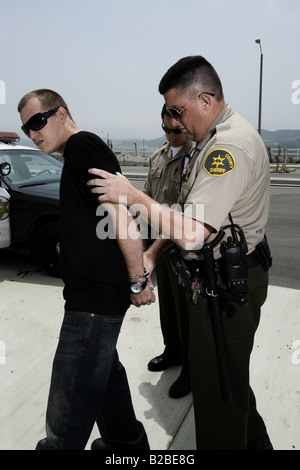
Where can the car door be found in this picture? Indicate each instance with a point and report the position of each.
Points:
(4, 219)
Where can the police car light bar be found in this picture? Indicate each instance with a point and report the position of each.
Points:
(9, 137)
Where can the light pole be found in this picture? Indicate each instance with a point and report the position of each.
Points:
(109, 142)
(260, 86)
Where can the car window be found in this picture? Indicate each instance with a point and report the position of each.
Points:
(31, 167)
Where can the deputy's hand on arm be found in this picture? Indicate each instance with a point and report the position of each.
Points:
(111, 186)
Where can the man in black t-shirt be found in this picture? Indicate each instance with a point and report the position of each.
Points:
(103, 274)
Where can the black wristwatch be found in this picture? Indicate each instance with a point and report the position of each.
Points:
(137, 287)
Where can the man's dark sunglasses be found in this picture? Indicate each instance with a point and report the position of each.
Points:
(38, 121)
(169, 131)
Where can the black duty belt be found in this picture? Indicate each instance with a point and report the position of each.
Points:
(194, 264)
(252, 261)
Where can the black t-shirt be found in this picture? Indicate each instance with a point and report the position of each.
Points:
(93, 270)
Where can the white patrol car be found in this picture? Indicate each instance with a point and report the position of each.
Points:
(29, 201)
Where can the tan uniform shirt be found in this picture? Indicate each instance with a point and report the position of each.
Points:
(163, 181)
(229, 173)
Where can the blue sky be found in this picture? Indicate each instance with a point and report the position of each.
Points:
(106, 58)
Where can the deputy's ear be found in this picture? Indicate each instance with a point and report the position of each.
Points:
(206, 100)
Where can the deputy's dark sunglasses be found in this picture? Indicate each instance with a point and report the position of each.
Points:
(169, 131)
(38, 121)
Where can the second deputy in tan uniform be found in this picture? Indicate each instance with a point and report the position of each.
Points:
(163, 184)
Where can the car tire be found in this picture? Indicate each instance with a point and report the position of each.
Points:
(46, 248)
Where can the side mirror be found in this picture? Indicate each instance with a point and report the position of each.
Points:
(5, 169)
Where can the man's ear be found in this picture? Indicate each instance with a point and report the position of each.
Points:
(62, 114)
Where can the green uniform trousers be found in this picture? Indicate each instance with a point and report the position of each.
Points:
(222, 426)
(173, 310)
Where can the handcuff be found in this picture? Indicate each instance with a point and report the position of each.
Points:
(138, 287)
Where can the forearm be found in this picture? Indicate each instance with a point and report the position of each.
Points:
(158, 247)
(171, 224)
(185, 231)
(153, 252)
(132, 251)
(128, 237)
(130, 243)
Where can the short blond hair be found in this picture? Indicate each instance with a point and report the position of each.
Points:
(49, 99)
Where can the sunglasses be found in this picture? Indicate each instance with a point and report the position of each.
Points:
(176, 113)
(169, 131)
(38, 121)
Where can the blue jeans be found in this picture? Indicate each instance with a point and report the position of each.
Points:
(89, 385)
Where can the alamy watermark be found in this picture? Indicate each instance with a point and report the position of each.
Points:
(296, 94)
(2, 92)
(138, 228)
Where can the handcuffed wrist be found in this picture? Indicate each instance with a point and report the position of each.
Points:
(137, 276)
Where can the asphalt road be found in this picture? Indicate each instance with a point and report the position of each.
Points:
(283, 230)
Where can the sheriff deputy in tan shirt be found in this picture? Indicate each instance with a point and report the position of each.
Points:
(163, 184)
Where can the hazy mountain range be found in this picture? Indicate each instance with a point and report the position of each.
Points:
(284, 138)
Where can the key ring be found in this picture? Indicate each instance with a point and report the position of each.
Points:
(212, 293)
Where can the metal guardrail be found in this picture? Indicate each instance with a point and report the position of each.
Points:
(287, 182)
(279, 180)
(291, 154)
(141, 154)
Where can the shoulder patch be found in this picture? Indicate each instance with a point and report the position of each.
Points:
(219, 162)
